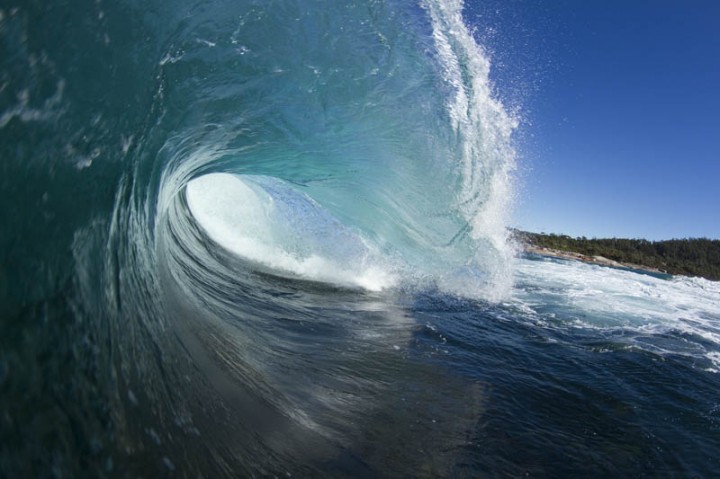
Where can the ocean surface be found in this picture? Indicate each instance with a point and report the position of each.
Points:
(269, 239)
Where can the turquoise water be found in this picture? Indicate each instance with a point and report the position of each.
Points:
(269, 239)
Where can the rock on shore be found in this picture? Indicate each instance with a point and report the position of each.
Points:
(599, 260)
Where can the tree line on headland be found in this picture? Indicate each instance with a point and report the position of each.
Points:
(690, 257)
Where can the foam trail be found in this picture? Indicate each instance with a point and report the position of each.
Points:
(608, 300)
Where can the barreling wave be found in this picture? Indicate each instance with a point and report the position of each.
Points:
(217, 171)
(395, 141)
(250, 238)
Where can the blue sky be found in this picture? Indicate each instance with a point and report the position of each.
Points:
(620, 103)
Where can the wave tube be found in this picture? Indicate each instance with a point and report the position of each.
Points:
(267, 222)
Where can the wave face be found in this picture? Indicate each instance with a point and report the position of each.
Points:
(257, 238)
(380, 115)
(203, 179)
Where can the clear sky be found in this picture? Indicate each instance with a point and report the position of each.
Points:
(620, 102)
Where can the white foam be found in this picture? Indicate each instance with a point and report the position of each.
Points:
(266, 221)
(714, 357)
(589, 296)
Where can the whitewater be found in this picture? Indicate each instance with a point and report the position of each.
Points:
(270, 238)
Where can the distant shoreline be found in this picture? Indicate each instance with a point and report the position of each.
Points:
(597, 260)
(677, 257)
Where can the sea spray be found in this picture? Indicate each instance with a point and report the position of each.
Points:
(486, 157)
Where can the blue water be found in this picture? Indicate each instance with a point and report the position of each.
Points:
(270, 238)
